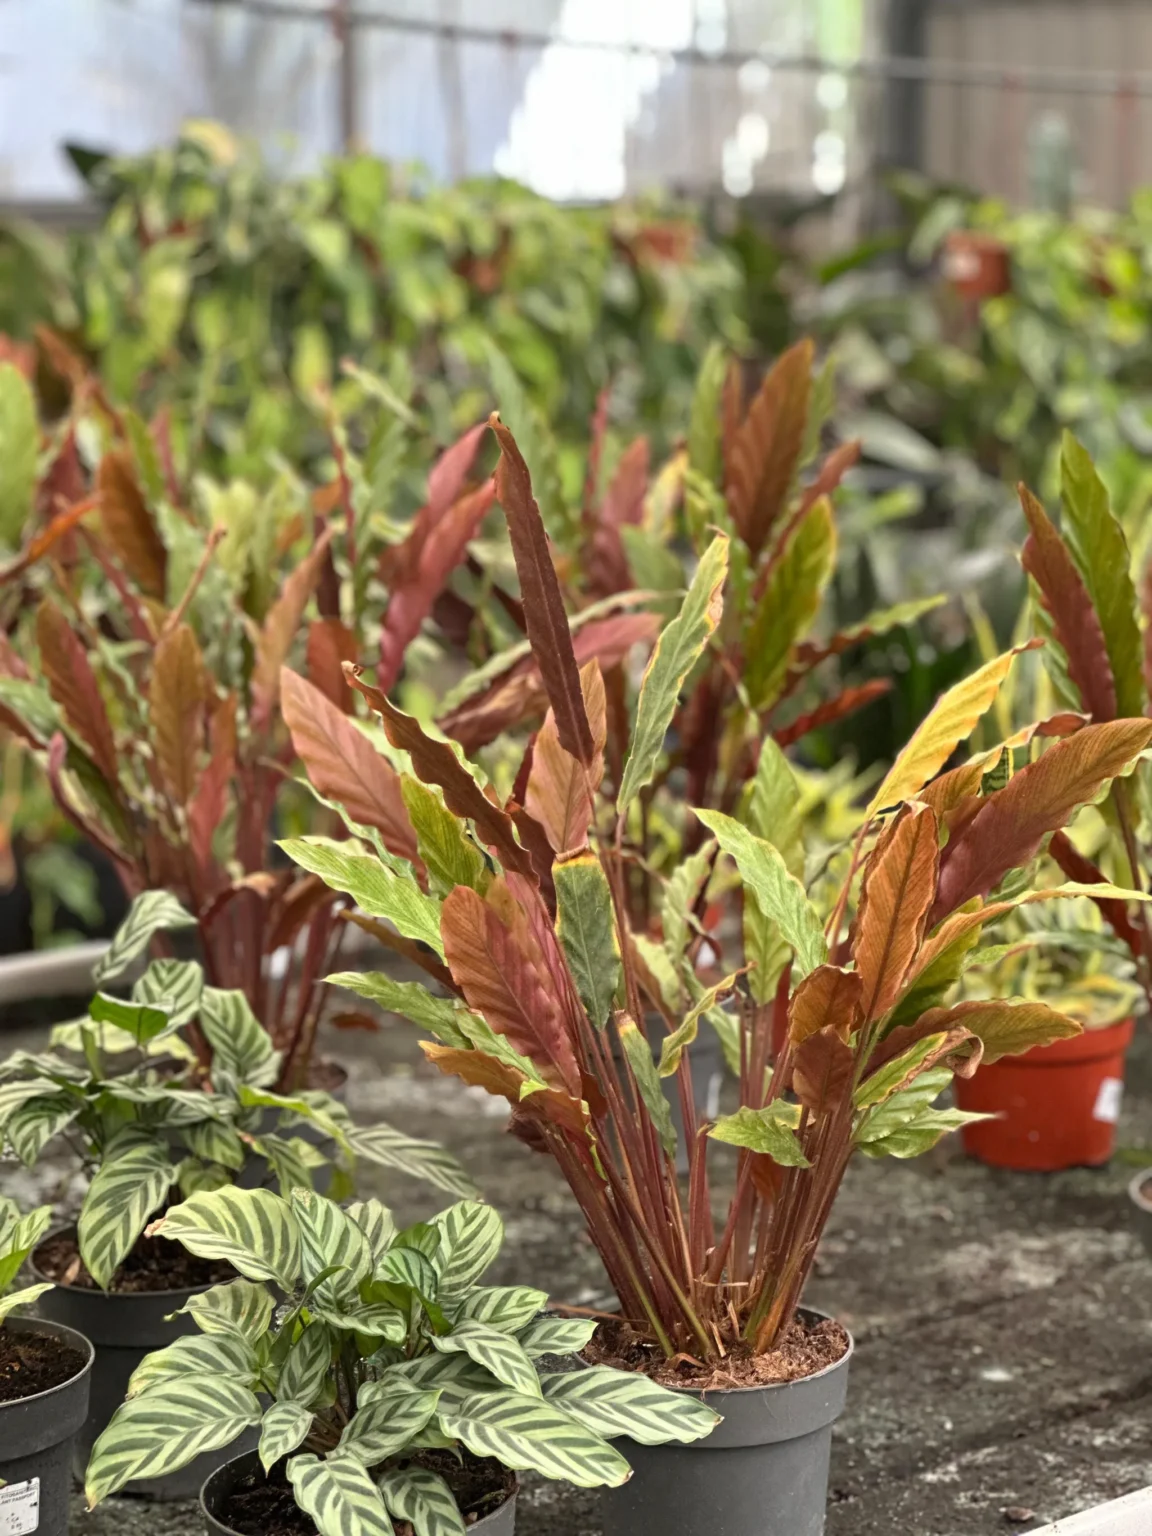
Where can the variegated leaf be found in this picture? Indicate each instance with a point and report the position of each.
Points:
(164, 1430)
(196, 1354)
(239, 1307)
(253, 1229)
(150, 913)
(471, 1238)
(339, 1495)
(507, 1308)
(215, 1143)
(495, 1351)
(329, 1236)
(122, 1195)
(386, 1419)
(32, 1126)
(407, 1154)
(556, 1335)
(23, 1297)
(423, 1499)
(304, 1374)
(240, 1046)
(174, 985)
(376, 1223)
(627, 1403)
(282, 1431)
(528, 1434)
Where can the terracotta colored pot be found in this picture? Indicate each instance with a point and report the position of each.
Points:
(1057, 1104)
(977, 265)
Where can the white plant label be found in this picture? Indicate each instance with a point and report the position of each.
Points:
(20, 1508)
(1107, 1108)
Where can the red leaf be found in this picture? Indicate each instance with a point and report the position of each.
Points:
(547, 622)
(560, 790)
(623, 505)
(436, 763)
(210, 800)
(446, 483)
(899, 887)
(72, 683)
(411, 603)
(281, 625)
(344, 765)
(1010, 826)
(822, 1069)
(831, 710)
(500, 972)
(177, 693)
(495, 1077)
(330, 644)
(827, 998)
(1074, 618)
(128, 524)
(519, 693)
(766, 447)
(353, 1020)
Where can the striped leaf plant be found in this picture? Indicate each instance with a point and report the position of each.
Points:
(18, 1236)
(359, 1349)
(124, 1087)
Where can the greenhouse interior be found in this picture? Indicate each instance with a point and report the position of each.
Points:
(575, 767)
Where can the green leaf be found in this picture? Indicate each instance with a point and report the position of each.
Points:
(1096, 542)
(471, 1237)
(774, 806)
(779, 894)
(164, 1430)
(770, 1130)
(449, 854)
(329, 1237)
(916, 1134)
(291, 1159)
(377, 890)
(789, 603)
(639, 1054)
(495, 1351)
(613, 1403)
(896, 1073)
(339, 1495)
(212, 1142)
(556, 1335)
(122, 1195)
(18, 1236)
(684, 1034)
(440, 1016)
(240, 1045)
(283, 1430)
(196, 1354)
(421, 1159)
(253, 1229)
(389, 1414)
(23, 1297)
(679, 647)
(307, 1369)
(19, 447)
(424, 1500)
(528, 1434)
(704, 421)
(586, 928)
(32, 705)
(681, 894)
(237, 1307)
(175, 986)
(507, 1308)
(150, 913)
(139, 1020)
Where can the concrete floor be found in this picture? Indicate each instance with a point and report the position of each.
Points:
(1003, 1322)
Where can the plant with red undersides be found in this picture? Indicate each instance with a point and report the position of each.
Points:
(538, 984)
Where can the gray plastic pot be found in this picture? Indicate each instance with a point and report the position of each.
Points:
(762, 1472)
(1140, 1194)
(501, 1522)
(124, 1327)
(36, 1438)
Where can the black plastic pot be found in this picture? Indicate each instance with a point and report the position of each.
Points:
(501, 1522)
(124, 1327)
(1140, 1194)
(762, 1472)
(36, 1437)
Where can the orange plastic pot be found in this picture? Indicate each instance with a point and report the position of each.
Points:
(977, 265)
(1057, 1105)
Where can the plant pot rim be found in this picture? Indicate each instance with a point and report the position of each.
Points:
(253, 1456)
(709, 1393)
(47, 1329)
(95, 1292)
(1136, 1185)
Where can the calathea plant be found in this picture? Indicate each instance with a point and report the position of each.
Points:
(546, 983)
(365, 1353)
(124, 1088)
(18, 1236)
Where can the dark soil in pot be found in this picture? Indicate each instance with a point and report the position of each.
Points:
(241, 1499)
(763, 1471)
(124, 1324)
(44, 1379)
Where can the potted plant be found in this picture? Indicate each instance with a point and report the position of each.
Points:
(1055, 1106)
(44, 1374)
(386, 1381)
(542, 970)
(124, 1086)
